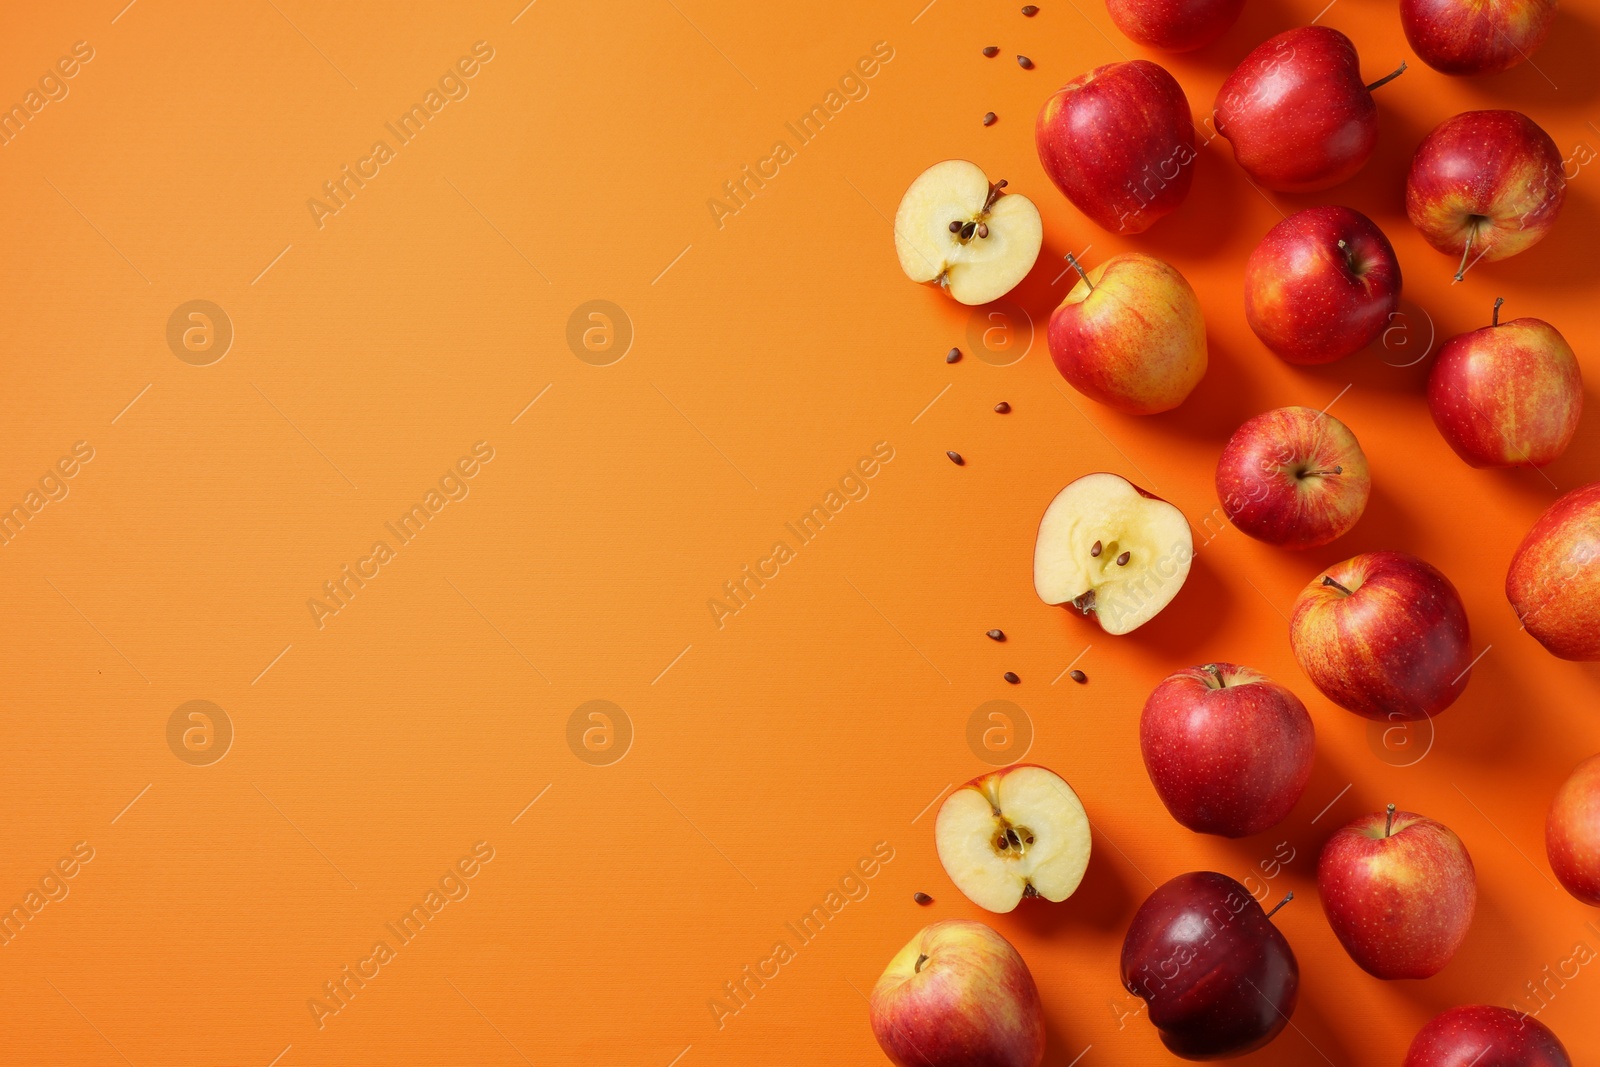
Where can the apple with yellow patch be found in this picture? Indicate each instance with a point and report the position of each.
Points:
(958, 231)
(1014, 833)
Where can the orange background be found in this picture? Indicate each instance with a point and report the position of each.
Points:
(768, 355)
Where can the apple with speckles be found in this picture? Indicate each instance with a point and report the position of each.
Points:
(1554, 579)
(1174, 25)
(1484, 1035)
(1466, 37)
(1294, 477)
(1572, 832)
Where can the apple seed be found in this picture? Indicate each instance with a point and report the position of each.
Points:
(988, 118)
(1002, 408)
(1030, 11)
(1079, 677)
(953, 356)
(996, 635)
(1122, 560)
(1095, 550)
(990, 52)
(922, 898)
(955, 457)
(1011, 676)
(1024, 62)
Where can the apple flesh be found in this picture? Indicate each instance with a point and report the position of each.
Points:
(957, 231)
(1485, 185)
(1228, 750)
(1220, 980)
(958, 995)
(1017, 832)
(1384, 635)
(1111, 550)
(1554, 580)
(1476, 36)
(1322, 284)
(1119, 141)
(1297, 113)
(1482, 1035)
(1572, 832)
(1293, 477)
(1131, 335)
(1174, 25)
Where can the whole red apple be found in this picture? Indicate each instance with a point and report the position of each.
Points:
(1485, 185)
(1228, 749)
(1174, 25)
(1481, 1035)
(1384, 635)
(958, 995)
(1323, 283)
(1220, 980)
(1119, 142)
(1572, 832)
(1507, 395)
(1476, 36)
(1399, 891)
(1294, 477)
(1554, 580)
(1297, 112)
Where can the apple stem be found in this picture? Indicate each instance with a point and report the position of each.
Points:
(1461, 271)
(1387, 78)
(1281, 903)
(921, 959)
(1216, 673)
(1075, 266)
(1388, 822)
(1335, 470)
(996, 191)
(1497, 302)
(1329, 581)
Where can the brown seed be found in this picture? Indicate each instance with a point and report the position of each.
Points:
(1024, 62)
(983, 231)
(1030, 11)
(988, 118)
(1011, 676)
(955, 457)
(1002, 407)
(1079, 677)
(1122, 560)
(996, 635)
(1095, 550)
(922, 898)
(991, 51)
(968, 230)
(953, 356)
(955, 227)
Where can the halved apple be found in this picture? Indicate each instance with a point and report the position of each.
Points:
(1111, 550)
(1013, 833)
(965, 235)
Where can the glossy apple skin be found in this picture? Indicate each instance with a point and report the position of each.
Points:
(1297, 112)
(1397, 649)
(1400, 904)
(1493, 176)
(1312, 301)
(1228, 749)
(1293, 477)
(1481, 1035)
(1131, 336)
(1507, 396)
(1220, 980)
(1174, 25)
(1119, 142)
(972, 1003)
(1554, 580)
(1476, 36)
(1572, 832)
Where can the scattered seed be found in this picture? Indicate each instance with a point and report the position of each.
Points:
(1122, 560)
(996, 635)
(990, 52)
(1079, 677)
(953, 356)
(1030, 11)
(988, 118)
(1024, 62)
(1002, 408)
(922, 898)
(955, 457)
(1095, 550)
(1011, 676)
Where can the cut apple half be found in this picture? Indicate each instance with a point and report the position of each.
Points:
(971, 238)
(1111, 550)
(1015, 833)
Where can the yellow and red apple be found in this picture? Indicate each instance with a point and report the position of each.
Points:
(1476, 36)
(1294, 477)
(1554, 580)
(1572, 832)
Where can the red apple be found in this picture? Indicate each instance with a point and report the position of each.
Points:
(1554, 580)
(1130, 335)
(1399, 891)
(1219, 978)
(1323, 283)
(1572, 832)
(1119, 142)
(1384, 635)
(1485, 185)
(1174, 25)
(1507, 395)
(1297, 112)
(1476, 36)
(958, 995)
(1293, 477)
(1481, 1035)
(1228, 749)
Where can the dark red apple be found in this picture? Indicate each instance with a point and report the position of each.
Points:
(1220, 980)
(1476, 36)
(1481, 1035)
(1294, 477)
(1119, 142)
(1297, 112)
(1228, 749)
(1322, 284)
(1174, 25)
